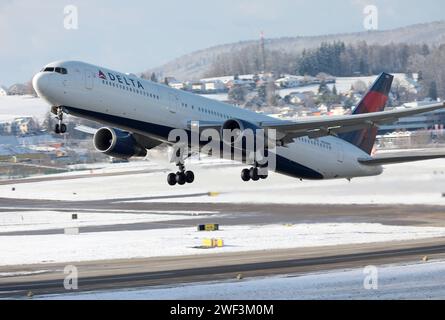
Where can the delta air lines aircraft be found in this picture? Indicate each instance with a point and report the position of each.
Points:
(138, 115)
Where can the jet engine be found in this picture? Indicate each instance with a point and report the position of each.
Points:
(117, 143)
(234, 129)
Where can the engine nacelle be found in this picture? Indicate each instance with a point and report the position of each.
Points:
(117, 143)
(236, 129)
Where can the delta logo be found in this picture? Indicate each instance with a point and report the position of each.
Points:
(102, 75)
(121, 79)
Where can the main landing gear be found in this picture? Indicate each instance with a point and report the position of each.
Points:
(254, 173)
(60, 126)
(181, 177)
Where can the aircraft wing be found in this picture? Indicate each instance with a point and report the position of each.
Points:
(401, 157)
(315, 127)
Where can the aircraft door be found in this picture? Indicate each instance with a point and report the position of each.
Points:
(340, 153)
(173, 103)
(89, 79)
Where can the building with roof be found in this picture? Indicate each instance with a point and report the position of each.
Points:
(3, 91)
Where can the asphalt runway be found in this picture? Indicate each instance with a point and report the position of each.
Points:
(118, 274)
(229, 214)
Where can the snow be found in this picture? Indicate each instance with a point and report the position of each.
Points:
(22, 106)
(42, 220)
(410, 183)
(405, 281)
(30, 249)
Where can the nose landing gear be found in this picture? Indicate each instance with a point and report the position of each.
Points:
(60, 127)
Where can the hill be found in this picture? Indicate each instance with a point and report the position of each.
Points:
(196, 64)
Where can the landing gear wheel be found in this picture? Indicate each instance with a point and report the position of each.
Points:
(245, 175)
(254, 174)
(262, 173)
(60, 127)
(189, 176)
(171, 179)
(180, 178)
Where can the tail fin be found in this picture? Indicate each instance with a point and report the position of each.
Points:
(374, 101)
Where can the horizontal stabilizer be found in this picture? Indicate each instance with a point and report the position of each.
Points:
(401, 157)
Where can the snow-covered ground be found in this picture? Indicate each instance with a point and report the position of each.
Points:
(22, 106)
(410, 183)
(406, 281)
(30, 249)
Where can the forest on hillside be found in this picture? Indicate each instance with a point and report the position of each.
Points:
(339, 59)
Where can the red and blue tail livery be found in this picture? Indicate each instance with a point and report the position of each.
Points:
(374, 101)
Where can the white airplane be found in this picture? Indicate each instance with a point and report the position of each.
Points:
(139, 115)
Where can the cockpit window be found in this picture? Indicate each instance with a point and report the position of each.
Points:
(61, 70)
(57, 69)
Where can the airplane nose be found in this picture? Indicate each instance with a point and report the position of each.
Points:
(40, 82)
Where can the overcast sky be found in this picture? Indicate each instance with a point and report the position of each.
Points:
(132, 36)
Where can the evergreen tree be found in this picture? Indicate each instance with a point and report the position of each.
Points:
(420, 76)
(237, 94)
(425, 50)
(323, 88)
(432, 92)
